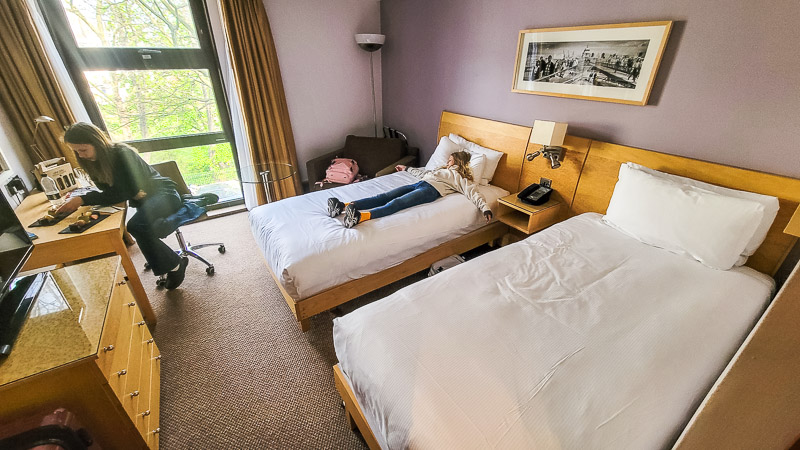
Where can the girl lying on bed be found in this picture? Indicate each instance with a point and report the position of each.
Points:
(456, 176)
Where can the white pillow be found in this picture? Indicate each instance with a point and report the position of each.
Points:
(771, 205)
(443, 151)
(711, 228)
(477, 161)
(492, 156)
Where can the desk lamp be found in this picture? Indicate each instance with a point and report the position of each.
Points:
(39, 120)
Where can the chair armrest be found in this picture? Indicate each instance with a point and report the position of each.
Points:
(407, 160)
(316, 167)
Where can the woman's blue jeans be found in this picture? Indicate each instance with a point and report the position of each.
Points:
(159, 205)
(397, 199)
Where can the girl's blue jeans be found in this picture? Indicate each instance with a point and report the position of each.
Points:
(398, 199)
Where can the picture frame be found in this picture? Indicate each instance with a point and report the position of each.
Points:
(610, 63)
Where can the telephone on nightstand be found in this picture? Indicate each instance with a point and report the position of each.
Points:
(535, 194)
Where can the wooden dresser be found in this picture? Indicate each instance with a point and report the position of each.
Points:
(86, 348)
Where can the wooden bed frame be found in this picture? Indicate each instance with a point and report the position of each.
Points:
(756, 400)
(510, 139)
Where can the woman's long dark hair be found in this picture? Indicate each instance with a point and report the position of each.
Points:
(86, 133)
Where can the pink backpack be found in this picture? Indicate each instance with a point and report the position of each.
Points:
(342, 170)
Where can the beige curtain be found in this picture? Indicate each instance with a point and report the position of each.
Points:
(258, 80)
(28, 86)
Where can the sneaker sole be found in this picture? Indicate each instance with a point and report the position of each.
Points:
(333, 208)
(350, 219)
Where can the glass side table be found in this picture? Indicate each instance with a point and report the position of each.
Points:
(266, 174)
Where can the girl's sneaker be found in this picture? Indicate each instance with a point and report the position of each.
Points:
(335, 207)
(351, 216)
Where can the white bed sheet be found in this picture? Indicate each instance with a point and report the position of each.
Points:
(311, 252)
(577, 337)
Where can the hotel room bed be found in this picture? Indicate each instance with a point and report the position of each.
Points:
(310, 252)
(318, 264)
(579, 336)
(583, 336)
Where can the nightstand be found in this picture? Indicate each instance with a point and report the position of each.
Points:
(527, 218)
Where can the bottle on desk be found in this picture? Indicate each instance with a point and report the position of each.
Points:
(51, 191)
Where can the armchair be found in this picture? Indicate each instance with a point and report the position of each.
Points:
(375, 157)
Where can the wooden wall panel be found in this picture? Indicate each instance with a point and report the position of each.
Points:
(565, 178)
(601, 170)
(505, 137)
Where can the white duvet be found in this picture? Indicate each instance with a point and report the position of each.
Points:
(310, 252)
(577, 337)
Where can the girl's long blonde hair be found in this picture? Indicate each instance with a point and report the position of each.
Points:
(461, 160)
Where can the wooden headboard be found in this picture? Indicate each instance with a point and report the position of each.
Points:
(505, 137)
(600, 171)
(565, 178)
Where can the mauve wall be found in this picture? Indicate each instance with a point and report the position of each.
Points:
(325, 74)
(728, 89)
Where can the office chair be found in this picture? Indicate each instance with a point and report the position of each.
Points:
(169, 169)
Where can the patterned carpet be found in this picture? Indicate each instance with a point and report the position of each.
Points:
(236, 370)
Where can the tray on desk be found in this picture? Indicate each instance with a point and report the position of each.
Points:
(89, 224)
(48, 223)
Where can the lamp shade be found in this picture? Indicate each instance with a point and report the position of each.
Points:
(548, 133)
(370, 42)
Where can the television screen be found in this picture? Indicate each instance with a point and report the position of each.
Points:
(15, 246)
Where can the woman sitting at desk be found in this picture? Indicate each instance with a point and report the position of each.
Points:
(122, 175)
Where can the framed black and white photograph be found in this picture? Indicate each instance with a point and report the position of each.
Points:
(610, 63)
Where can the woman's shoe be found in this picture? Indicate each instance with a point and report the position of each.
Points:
(208, 198)
(351, 216)
(335, 207)
(175, 277)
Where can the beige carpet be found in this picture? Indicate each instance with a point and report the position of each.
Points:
(236, 370)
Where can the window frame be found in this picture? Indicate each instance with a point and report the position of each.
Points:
(79, 59)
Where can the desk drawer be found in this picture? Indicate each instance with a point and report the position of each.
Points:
(120, 365)
(139, 334)
(109, 341)
(147, 412)
(152, 430)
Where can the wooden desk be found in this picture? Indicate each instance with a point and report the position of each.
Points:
(104, 238)
(85, 348)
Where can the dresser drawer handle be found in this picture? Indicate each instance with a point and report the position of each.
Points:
(131, 304)
(141, 324)
(156, 431)
(108, 348)
(149, 341)
(134, 394)
(157, 357)
(145, 414)
(122, 372)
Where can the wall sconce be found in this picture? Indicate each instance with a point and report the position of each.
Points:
(550, 135)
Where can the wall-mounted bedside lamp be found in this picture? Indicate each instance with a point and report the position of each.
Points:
(550, 135)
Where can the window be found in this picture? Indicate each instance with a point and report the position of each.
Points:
(147, 72)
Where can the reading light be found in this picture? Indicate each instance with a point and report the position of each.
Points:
(550, 135)
(371, 43)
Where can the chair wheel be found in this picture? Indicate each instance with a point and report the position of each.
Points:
(146, 266)
(210, 270)
(221, 249)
